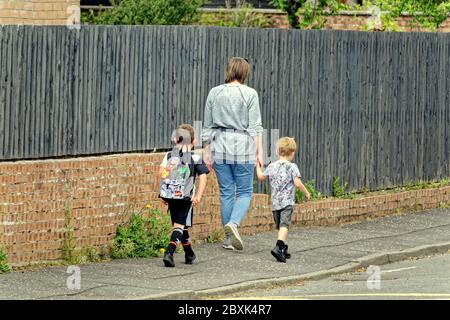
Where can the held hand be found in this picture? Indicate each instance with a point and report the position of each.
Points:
(164, 202)
(196, 200)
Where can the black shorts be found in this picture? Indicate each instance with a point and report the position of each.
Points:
(180, 211)
(282, 217)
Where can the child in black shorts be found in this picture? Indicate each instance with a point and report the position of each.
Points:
(284, 178)
(178, 171)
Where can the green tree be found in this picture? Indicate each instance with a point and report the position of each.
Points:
(291, 7)
(144, 12)
(312, 11)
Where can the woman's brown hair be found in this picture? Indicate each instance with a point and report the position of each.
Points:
(237, 69)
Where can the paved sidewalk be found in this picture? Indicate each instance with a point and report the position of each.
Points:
(313, 249)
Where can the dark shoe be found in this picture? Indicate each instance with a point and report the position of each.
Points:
(189, 258)
(278, 254)
(168, 260)
(286, 253)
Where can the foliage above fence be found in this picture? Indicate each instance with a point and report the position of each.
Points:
(243, 15)
(145, 12)
(305, 14)
(369, 108)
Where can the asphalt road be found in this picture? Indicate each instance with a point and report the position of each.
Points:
(426, 278)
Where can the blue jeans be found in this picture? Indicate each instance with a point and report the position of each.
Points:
(234, 180)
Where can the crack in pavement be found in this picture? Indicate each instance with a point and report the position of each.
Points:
(179, 275)
(72, 294)
(103, 285)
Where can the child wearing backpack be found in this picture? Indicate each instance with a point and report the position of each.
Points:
(178, 172)
(284, 177)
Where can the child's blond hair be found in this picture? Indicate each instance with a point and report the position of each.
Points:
(286, 146)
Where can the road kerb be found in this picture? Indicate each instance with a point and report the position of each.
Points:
(363, 262)
(420, 251)
(176, 295)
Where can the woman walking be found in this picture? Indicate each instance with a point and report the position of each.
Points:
(232, 132)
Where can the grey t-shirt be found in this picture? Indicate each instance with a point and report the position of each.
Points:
(281, 176)
(231, 121)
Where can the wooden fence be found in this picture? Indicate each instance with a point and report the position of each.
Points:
(370, 108)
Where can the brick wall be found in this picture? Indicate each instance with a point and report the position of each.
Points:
(351, 20)
(37, 12)
(445, 26)
(274, 18)
(278, 20)
(103, 191)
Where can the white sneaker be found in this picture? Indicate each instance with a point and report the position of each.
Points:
(227, 244)
(231, 230)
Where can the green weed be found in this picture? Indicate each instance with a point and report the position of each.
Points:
(217, 235)
(3, 262)
(337, 189)
(310, 186)
(141, 237)
(68, 247)
(443, 205)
